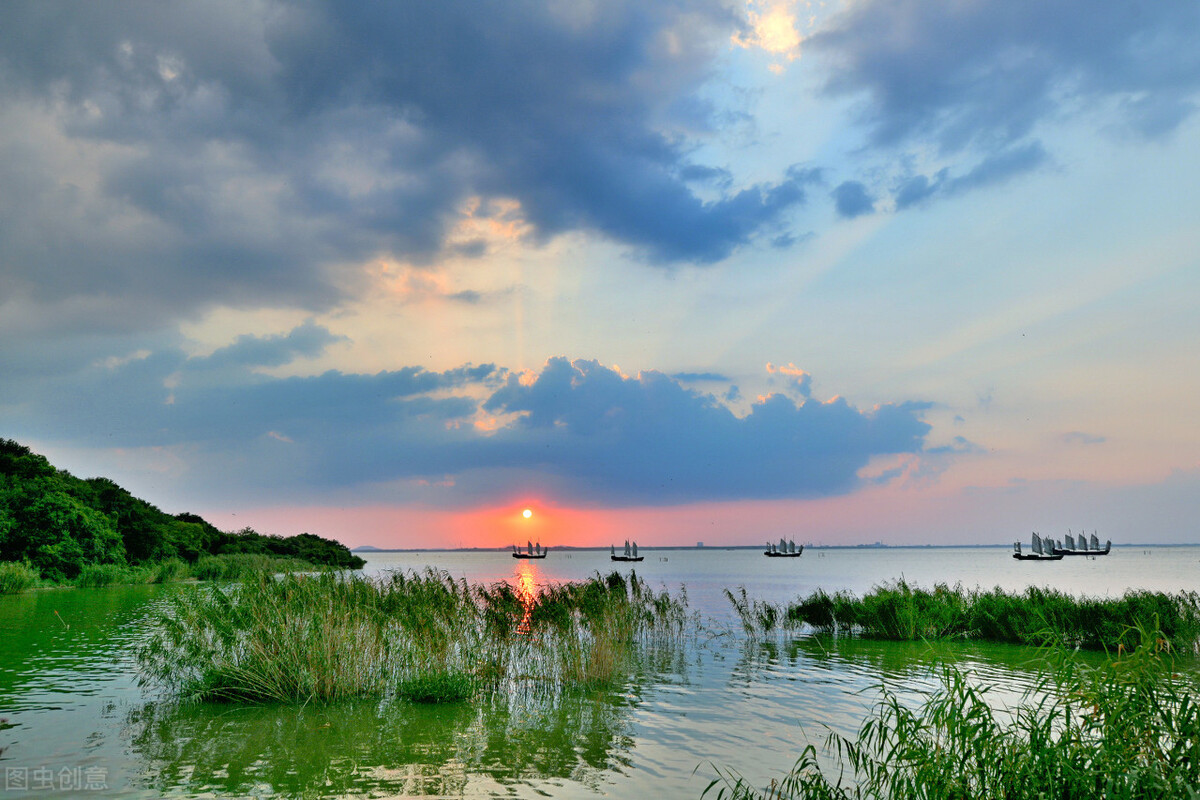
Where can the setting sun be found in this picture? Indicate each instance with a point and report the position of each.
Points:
(527, 513)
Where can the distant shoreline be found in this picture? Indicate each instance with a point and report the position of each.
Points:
(645, 548)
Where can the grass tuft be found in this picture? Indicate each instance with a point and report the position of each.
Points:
(900, 612)
(233, 566)
(424, 636)
(1128, 728)
(17, 576)
(97, 575)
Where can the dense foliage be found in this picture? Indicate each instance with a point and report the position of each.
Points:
(60, 526)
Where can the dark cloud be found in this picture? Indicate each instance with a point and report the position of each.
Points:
(994, 169)
(852, 200)
(985, 73)
(1081, 438)
(468, 296)
(1000, 167)
(244, 153)
(648, 437)
(310, 339)
(917, 189)
(582, 429)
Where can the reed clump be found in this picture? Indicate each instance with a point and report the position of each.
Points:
(17, 576)
(1128, 727)
(97, 575)
(233, 566)
(901, 612)
(422, 636)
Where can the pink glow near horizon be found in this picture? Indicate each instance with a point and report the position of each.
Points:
(853, 519)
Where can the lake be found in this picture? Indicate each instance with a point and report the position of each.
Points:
(77, 722)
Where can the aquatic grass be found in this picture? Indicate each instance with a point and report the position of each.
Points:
(98, 575)
(904, 613)
(900, 612)
(265, 639)
(17, 576)
(168, 570)
(1128, 727)
(758, 616)
(438, 687)
(233, 566)
(423, 636)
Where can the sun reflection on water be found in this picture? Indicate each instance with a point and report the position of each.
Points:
(527, 578)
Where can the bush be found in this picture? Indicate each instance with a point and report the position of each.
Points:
(17, 576)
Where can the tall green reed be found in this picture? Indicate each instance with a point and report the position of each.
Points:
(901, 612)
(17, 576)
(232, 566)
(424, 636)
(1126, 728)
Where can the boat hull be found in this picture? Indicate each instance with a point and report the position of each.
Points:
(1035, 557)
(627, 558)
(1062, 551)
(528, 555)
(770, 554)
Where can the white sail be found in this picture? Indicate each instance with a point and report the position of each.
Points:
(612, 548)
(529, 547)
(635, 549)
(1095, 541)
(627, 548)
(1037, 544)
(791, 546)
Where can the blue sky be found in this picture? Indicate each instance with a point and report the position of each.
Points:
(901, 271)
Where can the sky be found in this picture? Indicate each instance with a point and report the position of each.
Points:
(699, 270)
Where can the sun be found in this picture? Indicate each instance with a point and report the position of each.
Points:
(527, 513)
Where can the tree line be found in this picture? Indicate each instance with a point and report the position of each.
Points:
(59, 524)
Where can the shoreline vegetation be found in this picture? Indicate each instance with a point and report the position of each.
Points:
(899, 612)
(424, 637)
(1126, 727)
(1123, 726)
(59, 530)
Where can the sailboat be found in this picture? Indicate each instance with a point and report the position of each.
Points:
(1043, 550)
(1083, 547)
(631, 553)
(785, 549)
(531, 551)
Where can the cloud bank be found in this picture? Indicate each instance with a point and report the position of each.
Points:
(577, 431)
(159, 158)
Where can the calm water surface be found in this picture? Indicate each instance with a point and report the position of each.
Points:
(77, 723)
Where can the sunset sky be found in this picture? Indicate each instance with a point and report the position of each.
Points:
(679, 271)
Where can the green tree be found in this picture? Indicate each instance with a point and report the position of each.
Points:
(19, 461)
(58, 534)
